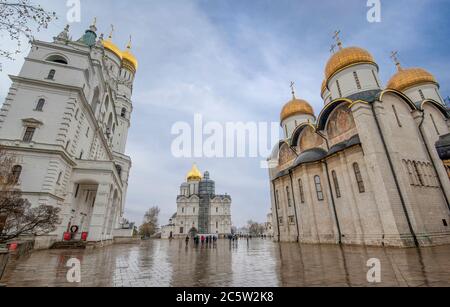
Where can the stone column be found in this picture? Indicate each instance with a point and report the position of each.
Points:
(98, 214)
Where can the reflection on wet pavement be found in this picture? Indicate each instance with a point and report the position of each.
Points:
(256, 263)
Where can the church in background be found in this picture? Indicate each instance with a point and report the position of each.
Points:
(199, 209)
(371, 167)
(66, 119)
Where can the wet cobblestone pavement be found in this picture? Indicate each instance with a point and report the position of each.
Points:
(258, 263)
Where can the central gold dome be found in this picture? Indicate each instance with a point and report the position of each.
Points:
(407, 78)
(295, 107)
(194, 174)
(347, 57)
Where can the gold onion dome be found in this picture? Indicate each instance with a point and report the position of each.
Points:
(346, 57)
(296, 107)
(129, 58)
(324, 87)
(410, 77)
(109, 45)
(194, 174)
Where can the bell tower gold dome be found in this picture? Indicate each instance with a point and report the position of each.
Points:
(128, 59)
(109, 45)
(346, 57)
(194, 174)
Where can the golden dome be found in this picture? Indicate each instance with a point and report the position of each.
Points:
(346, 57)
(324, 87)
(194, 174)
(129, 60)
(406, 78)
(294, 107)
(109, 45)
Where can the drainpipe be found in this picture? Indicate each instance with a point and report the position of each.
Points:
(276, 209)
(431, 159)
(295, 206)
(397, 184)
(338, 225)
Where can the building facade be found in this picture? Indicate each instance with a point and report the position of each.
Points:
(66, 119)
(366, 170)
(199, 209)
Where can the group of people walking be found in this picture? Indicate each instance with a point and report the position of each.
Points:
(203, 240)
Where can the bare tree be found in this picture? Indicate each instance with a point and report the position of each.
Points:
(150, 224)
(18, 20)
(254, 228)
(17, 216)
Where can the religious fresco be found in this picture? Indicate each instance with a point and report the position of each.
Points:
(287, 155)
(341, 125)
(309, 139)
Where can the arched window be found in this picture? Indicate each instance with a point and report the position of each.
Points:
(15, 174)
(302, 192)
(57, 59)
(336, 184)
(359, 178)
(288, 195)
(40, 105)
(123, 113)
(319, 189)
(51, 74)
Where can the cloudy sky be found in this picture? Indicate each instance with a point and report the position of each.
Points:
(232, 60)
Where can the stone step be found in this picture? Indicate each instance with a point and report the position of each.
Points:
(69, 245)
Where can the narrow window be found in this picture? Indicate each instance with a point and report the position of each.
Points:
(375, 77)
(302, 192)
(217, 209)
(182, 210)
(339, 88)
(288, 195)
(67, 145)
(81, 155)
(358, 83)
(15, 174)
(359, 178)
(77, 189)
(396, 116)
(277, 199)
(181, 230)
(40, 105)
(336, 184)
(445, 223)
(421, 95)
(280, 221)
(87, 132)
(123, 113)
(51, 74)
(319, 189)
(434, 124)
(58, 182)
(217, 225)
(29, 133)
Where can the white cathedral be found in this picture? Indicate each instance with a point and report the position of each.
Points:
(199, 209)
(66, 119)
